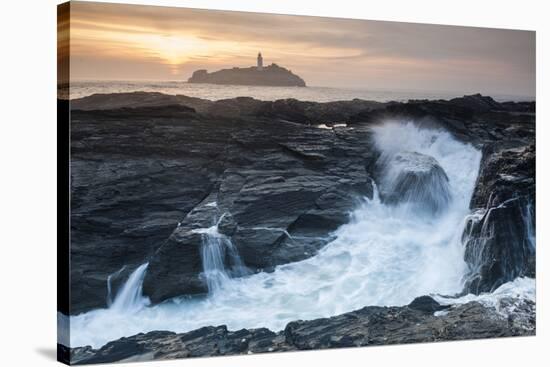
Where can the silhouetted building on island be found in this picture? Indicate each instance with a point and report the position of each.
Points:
(272, 75)
(260, 61)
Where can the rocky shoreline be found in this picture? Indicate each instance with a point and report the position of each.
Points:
(369, 326)
(283, 169)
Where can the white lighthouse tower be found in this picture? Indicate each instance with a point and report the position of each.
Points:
(260, 61)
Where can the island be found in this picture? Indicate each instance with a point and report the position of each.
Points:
(272, 75)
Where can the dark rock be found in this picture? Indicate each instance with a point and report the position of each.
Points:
(286, 109)
(399, 325)
(272, 75)
(426, 304)
(277, 184)
(149, 170)
(500, 244)
(477, 103)
(507, 171)
(416, 179)
(227, 224)
(132, 181)
(143, 164)
(498, 247)
(139, 100)
(260, 215)
(329, 113)
(365, 327)
(181, 251)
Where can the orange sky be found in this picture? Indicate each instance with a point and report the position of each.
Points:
(132, 42)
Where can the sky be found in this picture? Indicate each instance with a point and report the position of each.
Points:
(136, 42)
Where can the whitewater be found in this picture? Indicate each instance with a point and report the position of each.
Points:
(384, 255)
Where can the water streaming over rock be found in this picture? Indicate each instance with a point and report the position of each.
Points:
(385, 255)
(528, 215)
(220, 258)
(130, 297)
(110, 286)
(499, 244)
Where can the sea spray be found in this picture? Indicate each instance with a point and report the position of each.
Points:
(383, 256)
(506, 299)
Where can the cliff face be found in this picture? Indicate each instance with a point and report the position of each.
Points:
(272, 75)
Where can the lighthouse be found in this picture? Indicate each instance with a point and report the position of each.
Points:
(260, 61)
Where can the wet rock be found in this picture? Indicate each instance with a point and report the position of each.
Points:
(500, 245)
(416, 179)
(426, 304)
(145, 177)
(398, 325)
(365, 327)
(182, 251)
(207, 341)
(261, 215)
(132, 181)
(142, 162)
(281, 194)
(507, 171)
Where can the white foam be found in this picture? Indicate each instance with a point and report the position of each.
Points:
(519, 290)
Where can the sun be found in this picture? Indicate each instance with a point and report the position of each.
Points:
(173, 49)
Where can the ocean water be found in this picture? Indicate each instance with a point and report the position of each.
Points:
(216, 92)
(385, 255)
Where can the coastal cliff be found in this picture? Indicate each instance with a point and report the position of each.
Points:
(272, 75)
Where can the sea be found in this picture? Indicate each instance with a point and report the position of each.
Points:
(216, 92)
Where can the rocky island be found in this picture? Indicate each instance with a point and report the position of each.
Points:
(272, 75)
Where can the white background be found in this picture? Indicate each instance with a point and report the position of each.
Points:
(28, 181)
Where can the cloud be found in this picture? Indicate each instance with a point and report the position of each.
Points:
(326, 51)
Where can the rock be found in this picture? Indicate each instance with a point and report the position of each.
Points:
(426, 304)
(181, 251)
(416, 179)
(277, 184)
(287, 109)
(260, 215)
(500, 244)
(227, 224)
(207, 341)
(139, 100)
(272, 75)
(131, 183)
(142, 162)
(477, 103)
(145, 179)
(507, 171)
(498, 247)
(365, 327)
